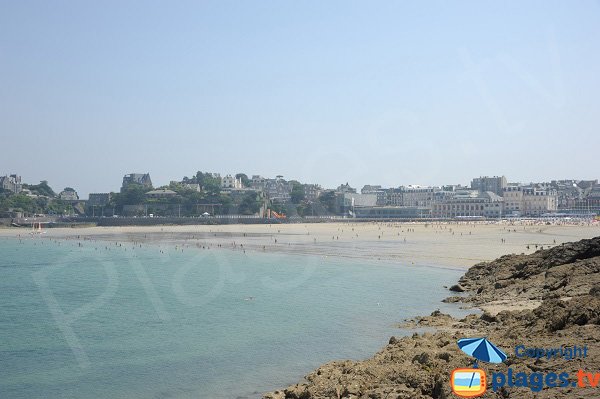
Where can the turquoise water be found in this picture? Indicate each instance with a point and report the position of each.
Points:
(80, 322)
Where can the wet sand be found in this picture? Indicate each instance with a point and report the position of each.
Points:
(455, 245)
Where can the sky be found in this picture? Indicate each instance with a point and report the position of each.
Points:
(365, 92)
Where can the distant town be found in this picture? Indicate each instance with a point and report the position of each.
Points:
(210, 195)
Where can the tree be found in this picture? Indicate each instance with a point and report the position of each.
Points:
(208, 183)
(249, 204)
(327, 199)
(133, 194)
(297, 194)
(179, 188)
(22, 202)
(41, 189)
(225, 201)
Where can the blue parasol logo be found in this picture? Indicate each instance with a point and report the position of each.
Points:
(481, 349)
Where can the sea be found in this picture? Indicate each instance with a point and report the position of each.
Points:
(118, 320)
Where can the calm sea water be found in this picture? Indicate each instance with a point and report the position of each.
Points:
(80, 322)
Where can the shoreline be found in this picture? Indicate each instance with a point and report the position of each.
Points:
(567, 313)
(437, 245)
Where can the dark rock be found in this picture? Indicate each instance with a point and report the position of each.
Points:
(422, 358)
(488, 317)
(457, 288)
(452, 299)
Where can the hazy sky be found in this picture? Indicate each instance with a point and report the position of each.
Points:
(386, 93)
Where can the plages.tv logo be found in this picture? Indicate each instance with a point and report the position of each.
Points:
(471, 382)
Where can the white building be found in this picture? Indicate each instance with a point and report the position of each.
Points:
(11, 183)
(469, 203)
(193, 186)
(231, 182)
(418, 195)
(529, 200)
(377, 190)
(495, 184)
(346, 202)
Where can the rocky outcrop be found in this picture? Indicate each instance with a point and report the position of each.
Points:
(565, 282)
(565, 271)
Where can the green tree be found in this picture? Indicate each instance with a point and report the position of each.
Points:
(133, 194)
(297, 194)
(22, 202)
(303, 209)
(41, 189)
(327, 199)
(226, 203)
(208, 183)
(250, 204)
(212, 185)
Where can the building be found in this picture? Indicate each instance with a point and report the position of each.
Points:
(529, 200)
(348, 202)
(569, 194)
(392, 212)
(378, 191)
(277, 190)
(257, 182)
(312, 192)
(572, 195)
(370, 189)
(591, 203)
(188, 186)
(537, 201)
(98, 199)
(96, 203)
(495, 184)
(418, 195)
(136, 178)
(469, 203)
(161, 193)
(443, 195)
(454, 187)
(11, 183)
(68, 194)
(345, 188)
(231, 182)
(394, 197)
(192, 186)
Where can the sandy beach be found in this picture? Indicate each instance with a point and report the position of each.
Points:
(455, 245)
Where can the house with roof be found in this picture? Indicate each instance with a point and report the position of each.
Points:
(136, 178)
(11, 183)
(161, 193)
